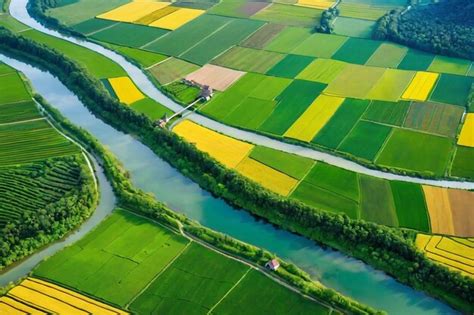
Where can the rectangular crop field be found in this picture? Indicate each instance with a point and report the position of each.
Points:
(289, 15)
(126, 34)
(20, 111)
(290, 66)
(291, 104)
(239, 8)
(288, 39)
(248, 59)
(293, 165)
(411, 207)
(126, 91)
(92, 25)
(421, 86)
(348, 26)
(224, 149)
(13, 89)
(355, 81)
(462, 165)
(156, 15)
(391, 113)
(443, 64)
(250, 113)
(193, 284)
(461, 202)
(436, 118)
(452, 89)
(79, 11)
(113, 262)
(466, 137)
(177, 18)
(322, 70)
(365, 140)
(403, 151)
(391, 85)
(143, 57)
(439, 209)
(361, 11)
(388, 55)
(263, 36)
(171, 70)
(320, 45)
(132, 11)
(356, 50)
(416, 60)
(307, 126)
(217, 78)
(151, 108)
(377, 204)
(341, 123)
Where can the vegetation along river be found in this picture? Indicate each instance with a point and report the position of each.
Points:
(150, 173)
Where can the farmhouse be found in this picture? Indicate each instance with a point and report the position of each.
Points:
(273, 265)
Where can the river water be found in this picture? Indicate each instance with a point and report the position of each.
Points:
(148, 172)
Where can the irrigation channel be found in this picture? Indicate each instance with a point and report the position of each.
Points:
(18, 11)
(151, 174)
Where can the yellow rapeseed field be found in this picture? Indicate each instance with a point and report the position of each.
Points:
(133, 11)
(224, 149)
(318, 4)
(455, 245)
(266, 176)
(9, 305)
(466, 137)
(176, 19)
(52, 298)
(439, 209)
(314, 118)
(126, 90)
(420, 87)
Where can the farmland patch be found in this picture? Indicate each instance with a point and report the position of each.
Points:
(388, 55)
(132, 11)
(248, 59)
(126, 91)
(322, 70)
(452, 89)
(289, 15)
(288, 39)
(410, 205)
(218, 78)
(151, 108)
(391, 113)
(320, 45)
(348, 26)
(290, 66)
(263, 36)
(126, 34)
(171, 70)
(443, 64)
(177, 18)
(356, 50)
(377, 204)
(421, 86)
(461, 202)
(416, 60)
(466, 137)
(462, 165)
(391, 85)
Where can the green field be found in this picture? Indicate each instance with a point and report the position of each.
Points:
(151, 108)
(365, 140)
(388, 55)
(361, 11)
(391, 113)
(348, 26)
(293, 165)
(125, 34)
(171, 70)
(435, 118)
(249, 59)
(257, 294)
(462, 164)
(250, 113)
(193, 284)
(113, 262)
(322, 70)
(341, 123)
(410, 204)
(263, 36)
(12, 89)
(290, 66)
(98, 65)
(83, 10)
(291, 104)
(452, 89)
(143, 57)
(403, 151)
(356, 50)
(451, 65)
(288, 39)
(391, 85)
(320, 45)
(184, 93)
(18, 111)
(416, 60)
(93, 25)
(377, 203)
(289, 15)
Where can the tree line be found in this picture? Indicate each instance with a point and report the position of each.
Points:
(391, 250)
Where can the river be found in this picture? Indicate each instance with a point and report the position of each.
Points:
(149, 173)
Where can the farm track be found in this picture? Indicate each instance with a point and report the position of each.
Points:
(19, 12)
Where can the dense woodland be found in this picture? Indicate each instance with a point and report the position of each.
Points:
(386, 248)
(445, 28)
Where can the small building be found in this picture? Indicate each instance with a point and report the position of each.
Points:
(206, 93)
(273, 265)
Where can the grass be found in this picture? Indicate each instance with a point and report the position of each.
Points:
(12, 89)
(410, 204)
(263, 36)
(97, 65)
(462, 163)
(112, 262)
(193, 284)
(451, 65)
(250, 113)
(125, 34)
(171, 70)
(322, 70)
(341, 123)
(291, 104)
(403, 151)
(293, 165)
(348, 26)
(290, 66)
(452, 89)
(231, 34)
(391, 85)
(18, 112)
(242, 8)
(248, 59)
(320, 45)
(361, 11)
(289, 15)
(92, 25)
(151, 108)
(83, 10)
(377, 204)
(391, 113)
(12, 24)
(257, 294)
(388, 55)
(182, 92)
(356, 50)
(365, 140)
(288, 39)
(355, 81)
(142, 57)
(416, 60)
(435, 118)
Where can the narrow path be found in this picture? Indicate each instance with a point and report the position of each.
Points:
(19, 12)
(22, 121)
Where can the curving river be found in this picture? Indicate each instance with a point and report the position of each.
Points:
(148, 172)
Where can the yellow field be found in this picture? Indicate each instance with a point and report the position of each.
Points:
(420, 87)
(466, 137)
(448, 251)
(126, 90)
(318, 4)
(314, 118)
(176, 19)
(13, 307)
(439, 209)
(133, 11)
(266, 176)
(224, 149)
(40, 297)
